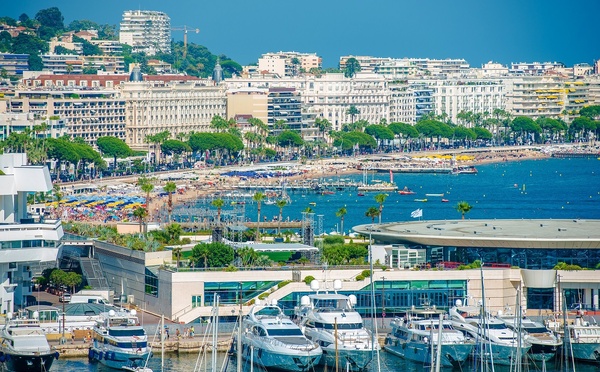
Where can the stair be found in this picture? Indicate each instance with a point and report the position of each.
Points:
(92, 271)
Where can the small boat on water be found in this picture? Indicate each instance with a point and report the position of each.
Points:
(360, 194)
(421, 200)
(445, 200)
(406, 191)
(415, 337)
(24, 346)
(381, 186)
(312, 204)
(464, 169)
(440, 195)
(272, 340)
(120, 341)
(327, 192)
(584, 338)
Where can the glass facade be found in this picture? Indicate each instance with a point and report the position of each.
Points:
(230, 292)
(396, 296)
(540, 298)
(151, 281)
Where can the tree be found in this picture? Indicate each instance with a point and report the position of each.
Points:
(281, 203)
(463, 208)
(140, 213)
(218, 203)
(352, 112)
(380, 199)
(341, 213)
(258, 198)
(352, 67)
(51, 22)
(170, 188)
(114, 147)
(214, 254)
(524, 124)
(372, 212)
(247, 256)
(147, 186)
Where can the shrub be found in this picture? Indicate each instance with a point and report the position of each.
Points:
(262, 296)
(333, 239)
(366, 273)
(283, 284)
(309, 279)
(567, 267)
(231, 268)
(360, 277)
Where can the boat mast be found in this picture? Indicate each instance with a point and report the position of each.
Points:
(373, 316)
(519, 330)
(215, 332)
(438, 355)
(337, 354)
(162, 342)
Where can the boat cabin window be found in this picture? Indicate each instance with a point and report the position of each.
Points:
(268, 311)
(495, 326)
(34, 343)
(340, 326)
(259, 331)
(126, 332)
(284, 332)
(536, 329)
(330, 305)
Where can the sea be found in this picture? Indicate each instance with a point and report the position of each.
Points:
(529, 189)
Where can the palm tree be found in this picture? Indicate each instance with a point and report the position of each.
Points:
(170, 188)
(380, 199)
(177, 253)
(308, 210)
(258, 198)
(140, 213)
(372, 212)
(463, 208)
(147, 186)
(341, 213)
(218, 203)
(280, 204)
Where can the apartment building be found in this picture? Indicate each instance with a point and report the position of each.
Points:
(452, 95)
(174, 106)
(87, 113)
(367, 63)
(437, 67)
(19, 122)
(14, 64)
(248, 102)
(284, 105)
(533, 68)
(27, 245)
(63, 63)
(146, 31)
(410, 101)
(288, 63)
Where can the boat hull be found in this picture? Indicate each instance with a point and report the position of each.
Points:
(452, 355)
(26, 363)
(349, 359)
(502, 355)
(589, 352)
(117, 359)
(297, 361)
(541, 351)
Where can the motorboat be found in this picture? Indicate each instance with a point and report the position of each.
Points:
(120, 341)
(496, 342)
(272, 340)
(382, 186)
(24, 346)
(544, 343)
(464, 169)
(406, 191)
(584, 339)
(330, 320)
(416, 337)
(445, 200)
(421, 200)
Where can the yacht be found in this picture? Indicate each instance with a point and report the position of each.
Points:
(416, 337)
(496, 343)
(24, 346)
(331, 320)
(120, 341)
(272, 341)
(584, 338)
(544, 343)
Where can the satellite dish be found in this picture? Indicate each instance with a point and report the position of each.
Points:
(304, 301)
(458, 303)
(500, 313)
(9, 315)
(314, 285)
(274, 302)
(111, 313)
(337, 284)
(36, 315)
(352, 299)
(133, 312)
(257, 302)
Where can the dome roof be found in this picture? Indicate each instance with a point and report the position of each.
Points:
(136, 74)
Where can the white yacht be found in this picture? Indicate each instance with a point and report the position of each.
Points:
(331, 320)
(544, 343)
(273, 341)
(24, 346)
(416, 337)
(495, 341)
(120, 341)
(584, 338)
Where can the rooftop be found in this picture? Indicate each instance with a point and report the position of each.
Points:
(541, 234)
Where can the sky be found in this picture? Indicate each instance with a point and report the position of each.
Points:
(476, 30)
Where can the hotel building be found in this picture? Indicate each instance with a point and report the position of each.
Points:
(282, 63)
(14, 64)
(26, 246)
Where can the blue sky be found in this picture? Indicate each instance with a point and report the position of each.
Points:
(477, 30)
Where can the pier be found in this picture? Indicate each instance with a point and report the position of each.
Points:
(575, 155)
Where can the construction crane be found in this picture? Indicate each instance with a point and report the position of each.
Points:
(185, 30)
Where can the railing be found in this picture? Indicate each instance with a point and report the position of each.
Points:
(273, 341)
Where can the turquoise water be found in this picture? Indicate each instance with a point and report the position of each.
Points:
(549, 188)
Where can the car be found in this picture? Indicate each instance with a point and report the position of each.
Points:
(66, 297)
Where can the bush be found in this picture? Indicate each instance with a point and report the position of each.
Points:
(360, 277)
(567, 267)
(231, 268)
(366, 273)
(309, 279)
(262, 296)
(283, 284)
(333, 239)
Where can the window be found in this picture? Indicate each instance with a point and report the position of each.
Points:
(196, 301)
(540, 298)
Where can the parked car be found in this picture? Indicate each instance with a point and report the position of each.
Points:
(65, 297)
